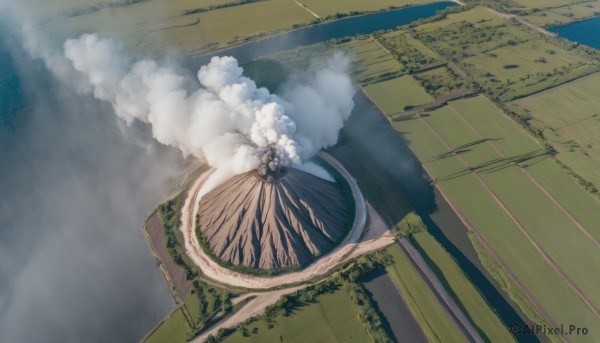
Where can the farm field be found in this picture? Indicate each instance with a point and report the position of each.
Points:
(465, 294)
(422, 303)
(173, 330)
(332, 318)
(551, 12)
(325, 8)
(570, 120)
(506, 59)
(527, 204)
(147, 28)
(399, 94)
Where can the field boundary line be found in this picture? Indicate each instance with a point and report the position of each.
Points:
(306, 8)
(579, 226)
(439, 291)
(536, 245)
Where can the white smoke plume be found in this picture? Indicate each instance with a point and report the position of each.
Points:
(222, 117)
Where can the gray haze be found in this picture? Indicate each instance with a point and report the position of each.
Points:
(75, 185)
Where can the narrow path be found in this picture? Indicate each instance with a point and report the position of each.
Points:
(253, 308)
(493, 145)
(518, 224)
(447, 302)
(306, 8)
(537, 307)
(522, 21)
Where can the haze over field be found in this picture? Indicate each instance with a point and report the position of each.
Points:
(222, 118)
(78, 181)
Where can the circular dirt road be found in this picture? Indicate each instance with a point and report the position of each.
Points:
(345, 250)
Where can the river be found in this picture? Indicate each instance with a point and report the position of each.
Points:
(585, 32)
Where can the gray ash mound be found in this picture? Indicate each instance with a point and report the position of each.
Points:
(273, 220)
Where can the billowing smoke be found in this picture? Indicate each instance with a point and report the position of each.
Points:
(222, 117)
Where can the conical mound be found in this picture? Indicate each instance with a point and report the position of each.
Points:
(273, 224)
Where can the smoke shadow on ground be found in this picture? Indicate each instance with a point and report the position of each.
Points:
(76, 184)
(389, 150)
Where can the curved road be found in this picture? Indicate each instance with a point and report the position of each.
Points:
(347, 249)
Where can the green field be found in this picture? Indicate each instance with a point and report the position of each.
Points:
(463, 291)
(325, 8)
(494, 161)
(174, 329)
(507, 59)
(436, 324)
(332, 318)
(549, 12)
(397, 95)
(440, 81)
(570, 119)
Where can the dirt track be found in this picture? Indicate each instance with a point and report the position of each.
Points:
(350, 247)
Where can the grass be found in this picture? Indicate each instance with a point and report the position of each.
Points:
(150, 27)
(370, 61)
(332, 318)
(440, 81)
(325, 8)
(436, 324)
(565, 15)
(570, 119)
(528, 205)
(528, 67)
(507, 59)
(173, 330)
(397, 95)
(463, 291)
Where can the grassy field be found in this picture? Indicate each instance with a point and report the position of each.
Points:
(436, 324)
(570, 119)
(440, 81)
(549, 12)
(506, 59)
(173, 330)
(370, 61)
(332, 318)
(399, 94)
(151, 26)
(463, 291)
(540, 217)
(325, 8)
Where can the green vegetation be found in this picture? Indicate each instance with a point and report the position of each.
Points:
(410, 224)
(336, 9)
(436, 324)
(202, 307)
(370, 61)
(548, 12)
(497, 151)
(440, 81)
(505, 280)
(169, 213)
(174, 329)
(336, 309)
(569, 119)
(219, 6)
(410, 53)
(331, 317)
(505, 58)
(462, 290)
(397, 95)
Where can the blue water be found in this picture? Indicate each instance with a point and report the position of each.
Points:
(585, 32)
(351, 26)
